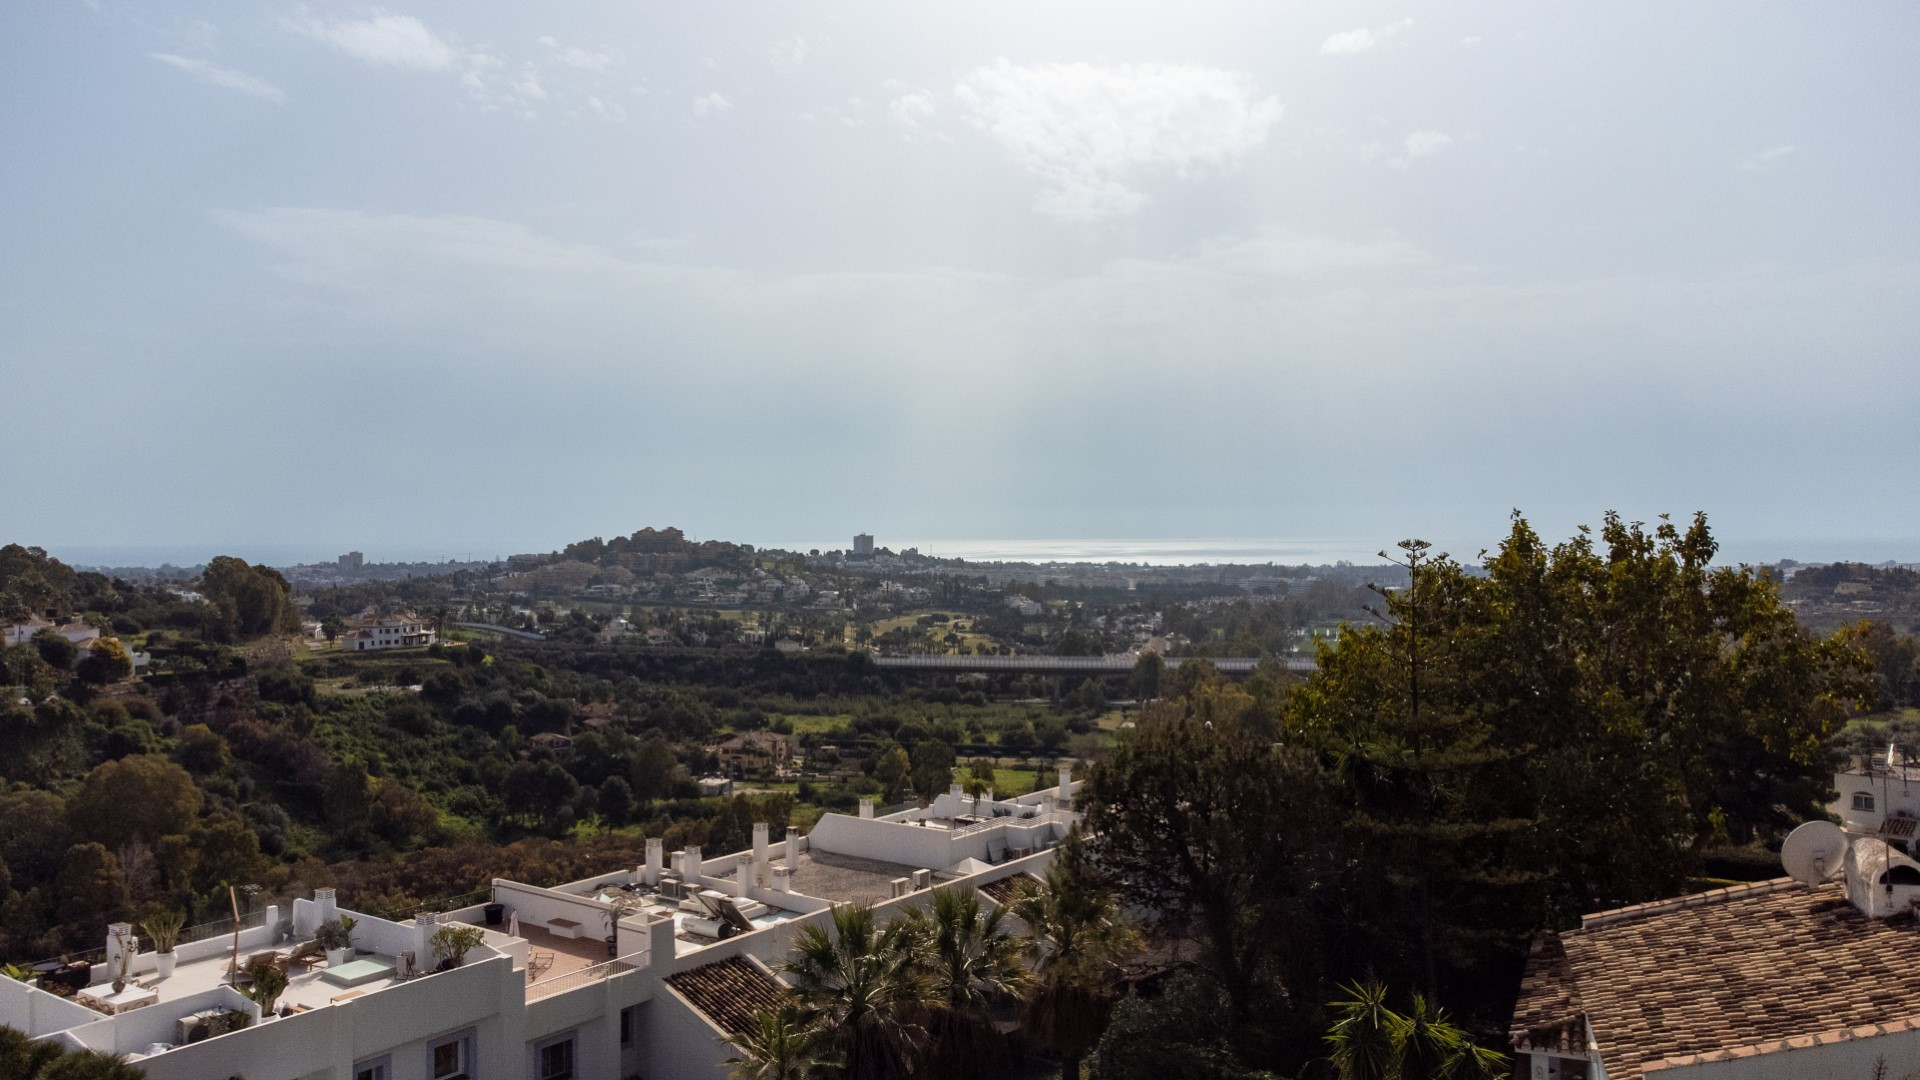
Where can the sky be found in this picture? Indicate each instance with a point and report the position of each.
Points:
(450, 277)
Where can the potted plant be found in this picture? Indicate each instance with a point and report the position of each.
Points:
(336, 936)
(452, 942)
(164, 928)
(269, 982)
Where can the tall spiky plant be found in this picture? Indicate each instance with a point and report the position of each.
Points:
(972, 960)
(1364, 1035)
(781, 1045)
(864, 985)
(1080, 938)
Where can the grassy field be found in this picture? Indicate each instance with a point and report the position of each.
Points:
(805, 724)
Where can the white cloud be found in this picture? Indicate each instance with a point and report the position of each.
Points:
(580, 59)
(400, 41)
(707, 104)
(1362, 40)
(1090, 131)
(1765, 160)
(527, 83)
(788, 53)
(913, 109)
(224, 78)
(1470, 40)
(1422, 144)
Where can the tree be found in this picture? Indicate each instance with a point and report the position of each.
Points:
(251, 600)
(1078, 933)
(616, 801)
(22, 1058)
(972, 960)
(1180, 1035)
(1202, 821)
(107, 662)
(1148, 671)
(55, 650)
(781, 1046)
(864, 986)
(932, 768)
(90, 890)
(1369, 1041)
(892, 771)
(135, 798)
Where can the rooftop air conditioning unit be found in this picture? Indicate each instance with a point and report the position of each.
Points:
(900, 886)
(1019, 852)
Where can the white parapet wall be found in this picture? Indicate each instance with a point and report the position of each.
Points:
(36, 1012)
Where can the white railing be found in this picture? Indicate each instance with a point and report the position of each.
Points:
(573, 980)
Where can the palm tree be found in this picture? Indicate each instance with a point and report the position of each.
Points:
(1372, 1042)
(780, 1046)
(1365, 1038)
(24, 1059)
(1080, 936)
(864, 986)
(971, 962)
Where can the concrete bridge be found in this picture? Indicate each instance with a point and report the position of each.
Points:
(1067, 665)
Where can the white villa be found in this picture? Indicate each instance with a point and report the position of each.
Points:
(401, 630)
(643, 970)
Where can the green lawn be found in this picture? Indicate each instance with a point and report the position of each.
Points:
(803, 725)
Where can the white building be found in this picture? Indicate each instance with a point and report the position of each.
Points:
(641, 970)
(1879, 795)
(401, 630)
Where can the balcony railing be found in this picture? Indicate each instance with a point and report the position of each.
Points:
(573, 980)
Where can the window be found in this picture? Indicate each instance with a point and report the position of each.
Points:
(1862, 800)
(626, 1026)
(555, 1060)
(450, 1059)
(381, 1069)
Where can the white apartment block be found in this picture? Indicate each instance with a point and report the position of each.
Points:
(641, 971)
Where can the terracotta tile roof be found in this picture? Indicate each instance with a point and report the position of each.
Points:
(728, 992)
(1004, 890)
(1720, 975)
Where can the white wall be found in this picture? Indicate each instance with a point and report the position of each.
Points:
(537, 905)
(927, 847)
(36, 1012)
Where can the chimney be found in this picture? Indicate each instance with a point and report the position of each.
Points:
(866, 806)
(1066, 781)
(659, 937)
(989, 795)
(759, 841)
(120, 940)
(693, 871)
(743, 873)
(324, 906)
(901, 886)
(651, 875)
(922, 879)
(958, 791)
(782, 879)
(793, 849)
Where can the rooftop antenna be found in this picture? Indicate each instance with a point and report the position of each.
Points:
(1813, 851)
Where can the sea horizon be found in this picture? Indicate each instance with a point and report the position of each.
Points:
(1184, 551)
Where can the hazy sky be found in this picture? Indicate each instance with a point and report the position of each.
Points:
(492, 277)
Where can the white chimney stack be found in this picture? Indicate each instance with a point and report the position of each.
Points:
(782, 879)
(1066, 779)
(760, 830)
(693, 871)
(866, 806)
(324, 906)
(793, 849)
(743, 874)
(655, 848)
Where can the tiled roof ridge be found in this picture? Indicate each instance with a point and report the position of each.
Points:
(1775, 1046)
(1617, 916)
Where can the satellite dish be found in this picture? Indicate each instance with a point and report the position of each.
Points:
(1813, 851)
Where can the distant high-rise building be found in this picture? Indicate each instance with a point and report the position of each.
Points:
(352, 560)
(863, 545)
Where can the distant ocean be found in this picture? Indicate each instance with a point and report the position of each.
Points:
(1151, 552)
